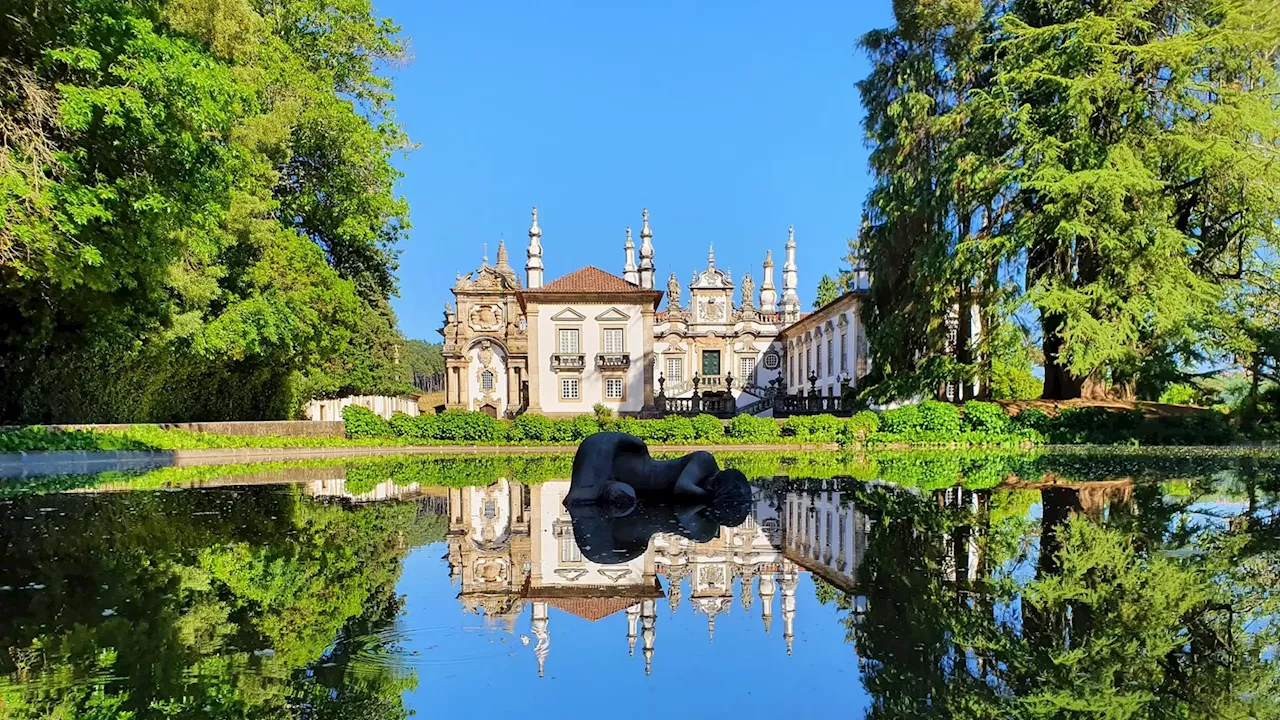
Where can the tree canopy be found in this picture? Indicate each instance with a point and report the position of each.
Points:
(1109, 168)
(197, 207)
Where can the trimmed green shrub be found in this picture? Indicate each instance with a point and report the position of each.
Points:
(939, 417)
(531, 428)
(752, 429)
(582, 426)
(673, 429)
(361, 422)
(858, 428)
(601, 412)
(905, 419)
(1032, 419)
(708, 427)
(985, 417)
(464, 426)
(812, 428)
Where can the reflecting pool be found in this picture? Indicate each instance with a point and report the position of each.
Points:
(888, 586)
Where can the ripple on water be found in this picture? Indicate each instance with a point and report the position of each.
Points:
(407, 648)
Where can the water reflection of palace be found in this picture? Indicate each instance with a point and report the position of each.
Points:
(511, 545)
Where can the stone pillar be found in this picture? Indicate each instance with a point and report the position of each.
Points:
(535, 359)
(513, 386)
(647, 356)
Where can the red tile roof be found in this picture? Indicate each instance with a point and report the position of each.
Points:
(591, 280)
(592, 609)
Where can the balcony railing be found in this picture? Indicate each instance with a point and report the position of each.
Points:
(720, 406)
(568, 361)
(785, 405)
(613, 361)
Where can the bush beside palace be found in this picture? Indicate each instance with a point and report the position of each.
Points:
(924, 424)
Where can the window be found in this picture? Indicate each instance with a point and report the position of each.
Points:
(818, 364)
(831, 357)
(844, 352)
(569, 340)
(613, 388)
(490, 509)
(808, 363)
(486, 380)
(613, 340)
(840, 533)
(827, 545)
(569, 551)
(569, 388)
(710, 362)
(675, 369)
(746, 367)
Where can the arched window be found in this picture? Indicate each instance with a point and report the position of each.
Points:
(486, 380)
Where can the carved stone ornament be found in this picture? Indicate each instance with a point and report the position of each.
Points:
(486, 318)
(712, 311)
(486, 354)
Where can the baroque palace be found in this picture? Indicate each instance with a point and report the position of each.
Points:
(559, 348)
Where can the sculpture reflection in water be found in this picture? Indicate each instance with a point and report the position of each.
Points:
(620, 497)
(512, 546)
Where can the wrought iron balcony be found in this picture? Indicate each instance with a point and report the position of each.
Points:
(613, 361)
(568, 361)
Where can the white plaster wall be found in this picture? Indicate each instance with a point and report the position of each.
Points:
(551, 499)
(383, 405)
(499, 367)
(590, 343)
(828, 379)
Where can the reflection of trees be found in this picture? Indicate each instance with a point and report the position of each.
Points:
(1106, 616)
(198, 604)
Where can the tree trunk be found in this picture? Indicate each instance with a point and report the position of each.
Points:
(964, 342)
(1059, 384)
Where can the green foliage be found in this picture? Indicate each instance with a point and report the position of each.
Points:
(708, 428)
(1095, 165)
(985, 417)
(672, 429)
(582, 426)
(828, 292)
(813, 428)
(1179, 394)
(528, 426)
(752, 429)
(461, 426)
(198, 208)
(939, 417)
(902, 419)
(362, 423)
(423, 358)
(602, 412)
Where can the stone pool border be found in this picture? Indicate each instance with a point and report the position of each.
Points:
(72, 462)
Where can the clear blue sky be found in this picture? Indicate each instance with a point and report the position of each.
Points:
(730, 121)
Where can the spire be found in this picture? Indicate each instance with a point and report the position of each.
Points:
(646, 252)
(633, 619)
(502, 254)
(790, 298)
(768, 293)
(648, 619)
(629, 271)
(538, 625)
(533, 268)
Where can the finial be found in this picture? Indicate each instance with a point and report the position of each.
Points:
(485, 261)
(644, 230)
(791, 235)
(534, 230)
(768, 258)
(629, 242)
(502, 253)
(711, 628)
(711, 256)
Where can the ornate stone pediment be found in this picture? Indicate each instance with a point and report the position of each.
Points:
(488, 278)
(568, 315)
(613, 314)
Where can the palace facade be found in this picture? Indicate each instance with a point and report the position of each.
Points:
(591, 337)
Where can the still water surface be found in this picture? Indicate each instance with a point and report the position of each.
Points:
(909, 586)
